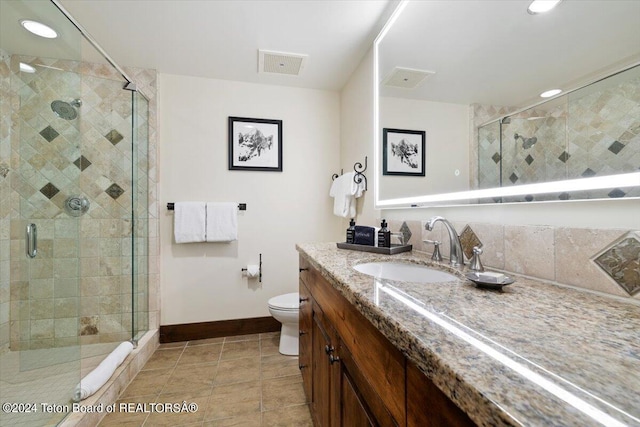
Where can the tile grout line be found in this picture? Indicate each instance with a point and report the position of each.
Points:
(168, 378)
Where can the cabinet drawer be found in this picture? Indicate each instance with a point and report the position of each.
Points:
(304, 270)
(378, 360)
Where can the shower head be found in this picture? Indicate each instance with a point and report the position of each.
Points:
(526, 142)
(66, 110)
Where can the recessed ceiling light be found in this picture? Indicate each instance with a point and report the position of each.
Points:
(26, 68)
(542, 6)
(39, 29)
(550, 93)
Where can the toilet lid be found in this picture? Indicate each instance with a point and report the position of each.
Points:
(285, 302)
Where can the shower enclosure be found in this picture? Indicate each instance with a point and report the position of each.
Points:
(73, 211)
(593, 131)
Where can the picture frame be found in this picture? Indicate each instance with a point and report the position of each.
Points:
(403, 152)
(255, 144)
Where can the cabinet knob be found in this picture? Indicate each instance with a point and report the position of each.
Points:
(333, 359)
(301, 333)
(329, 349)
(303, 299)
(303, 269)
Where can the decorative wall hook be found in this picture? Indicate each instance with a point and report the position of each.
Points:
(359, 176)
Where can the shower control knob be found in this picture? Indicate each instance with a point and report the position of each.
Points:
(76, 205)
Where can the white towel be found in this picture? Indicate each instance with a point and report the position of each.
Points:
(345, 190)
(222, 222)
(189, 222)
(100, 375)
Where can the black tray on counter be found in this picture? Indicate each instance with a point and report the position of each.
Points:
(396, 249)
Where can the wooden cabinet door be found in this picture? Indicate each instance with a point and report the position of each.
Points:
(427, 406)
(360, 404)
(353, 412)
(305, 343)
(320, 371)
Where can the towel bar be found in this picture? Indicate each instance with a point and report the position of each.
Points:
(241, 206)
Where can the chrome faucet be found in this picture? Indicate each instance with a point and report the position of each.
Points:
(456, 256)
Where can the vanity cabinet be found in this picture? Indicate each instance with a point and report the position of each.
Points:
(353, 375)
(351, 385)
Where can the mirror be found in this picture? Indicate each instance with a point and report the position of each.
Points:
(469, 74)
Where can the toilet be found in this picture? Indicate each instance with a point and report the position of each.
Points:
(285, 308)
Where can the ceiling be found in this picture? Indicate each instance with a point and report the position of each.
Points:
(493, 52)
(220, 39)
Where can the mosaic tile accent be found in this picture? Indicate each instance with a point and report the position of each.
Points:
(513, 178)
(588, 172)
(615, 193)
(469, 239)
(496, 158)
(89, 325)
(49, 190)
(82, 163)
(616, 147)
(114, 136)
(564, 157)
(114, 191)
(621, 261)
(406, 232)
(529, 159)
(49, 133)
(4, 170)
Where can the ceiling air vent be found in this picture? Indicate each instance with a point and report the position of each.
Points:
(281, 62)
(406, 78)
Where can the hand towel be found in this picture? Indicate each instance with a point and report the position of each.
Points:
(344, 190)
(189, 222)
(222, 222)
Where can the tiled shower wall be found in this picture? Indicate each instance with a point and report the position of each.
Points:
(594, 132)
(594, 259)
(79, 287)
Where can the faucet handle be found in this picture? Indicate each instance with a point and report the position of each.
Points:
(436, 250)
(476, 264)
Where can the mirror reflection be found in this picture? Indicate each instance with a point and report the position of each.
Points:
(478, 65)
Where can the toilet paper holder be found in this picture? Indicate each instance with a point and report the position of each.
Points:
(259, 269)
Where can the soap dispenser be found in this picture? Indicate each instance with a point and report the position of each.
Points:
(351, 231)
(384, 235)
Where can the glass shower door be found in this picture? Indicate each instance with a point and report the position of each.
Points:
(44, 364)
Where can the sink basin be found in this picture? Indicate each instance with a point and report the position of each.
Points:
(404, 272)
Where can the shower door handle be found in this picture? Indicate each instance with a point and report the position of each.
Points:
(32, 240)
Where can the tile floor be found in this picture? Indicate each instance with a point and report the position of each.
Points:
(235, 381)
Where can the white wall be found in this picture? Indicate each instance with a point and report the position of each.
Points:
(356, 133)
(446, 145)
(203, 282)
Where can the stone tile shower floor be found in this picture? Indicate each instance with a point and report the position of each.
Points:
(235, 381)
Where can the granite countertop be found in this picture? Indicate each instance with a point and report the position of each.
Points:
(534, 354)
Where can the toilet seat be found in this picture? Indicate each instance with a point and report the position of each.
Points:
(286, 302)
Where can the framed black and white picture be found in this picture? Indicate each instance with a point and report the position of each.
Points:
(255, 144)
(403, 152)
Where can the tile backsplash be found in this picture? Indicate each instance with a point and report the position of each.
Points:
(602, 260)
